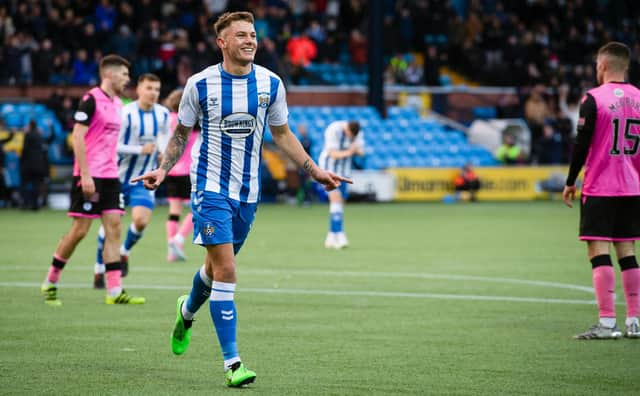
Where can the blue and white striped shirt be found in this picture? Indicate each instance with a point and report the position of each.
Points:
(138, 128)
(232, 111)
(335, 138)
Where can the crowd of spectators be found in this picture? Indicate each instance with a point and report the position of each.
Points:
(493, 42)
(544, 48)
(52, 42)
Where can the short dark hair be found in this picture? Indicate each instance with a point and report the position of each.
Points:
(354, 127)
(619, 54)
(148, 77)
(113, 60)
(227, 18)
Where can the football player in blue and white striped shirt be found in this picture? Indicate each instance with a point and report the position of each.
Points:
(143, 134)
(232, 101)
(342, 140)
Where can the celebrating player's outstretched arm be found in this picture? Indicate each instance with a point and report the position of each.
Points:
(287, 141)
(172, 154)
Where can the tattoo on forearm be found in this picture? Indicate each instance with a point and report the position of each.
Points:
(308, 166)
(175, 148)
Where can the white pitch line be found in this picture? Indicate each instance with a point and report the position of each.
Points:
(469, 297)
(357, 274)
(418, 275)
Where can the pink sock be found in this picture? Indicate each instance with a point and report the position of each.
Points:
(604, 284)
(172, 229)
(631, 284)
(114, 279)
(187, 225)
(54, 274)
(54, 271)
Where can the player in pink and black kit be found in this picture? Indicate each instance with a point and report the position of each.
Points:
(178, 188)
(607, 144)
(95, 192)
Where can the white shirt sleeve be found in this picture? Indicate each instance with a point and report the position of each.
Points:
(163, 133)
(278, 111)
(359, 140)
(189, 110)
(122, 147)
(332, 136)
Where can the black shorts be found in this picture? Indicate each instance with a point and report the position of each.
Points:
(612, 219)
(178, 187)
(107, 199)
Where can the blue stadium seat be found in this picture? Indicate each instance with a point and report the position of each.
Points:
(14, 120)
(484, 112)
(402, 140)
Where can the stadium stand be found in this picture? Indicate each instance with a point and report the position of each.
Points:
(18, 115)
(403, 140)
(510, 43)
(429, 43)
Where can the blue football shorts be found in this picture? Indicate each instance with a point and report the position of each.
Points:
(137, 195)
(218, 219)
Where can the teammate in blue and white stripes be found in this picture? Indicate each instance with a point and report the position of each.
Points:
(144, 133)
(342, 140)
(233, 101)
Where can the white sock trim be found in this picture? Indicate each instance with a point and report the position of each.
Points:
(133, 229)
(179, 239)
(101, 232)
(335, 207)
(99, 268)
(608, 322)
(204, 277)
(221, 291)
(228, 363)
(186, 314)
(223, 286)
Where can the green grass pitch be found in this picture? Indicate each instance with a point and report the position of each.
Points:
(468, 299)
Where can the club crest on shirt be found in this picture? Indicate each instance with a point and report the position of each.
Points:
(618, 93)
(263, 99)
(208, 229)
(238, 125)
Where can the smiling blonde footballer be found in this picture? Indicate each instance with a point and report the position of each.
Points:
(232, 101)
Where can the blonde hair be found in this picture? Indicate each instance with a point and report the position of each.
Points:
(227, 18)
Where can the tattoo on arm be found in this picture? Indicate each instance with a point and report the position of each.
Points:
(308, 166)
(175, 148)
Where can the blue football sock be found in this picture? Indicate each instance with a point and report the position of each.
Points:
(335, 217)
(223, 314)
(133, 236)
(200, 292)
(99, 259)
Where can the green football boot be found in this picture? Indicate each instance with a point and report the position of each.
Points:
(238, 375)
(123, 298)
(181, 335)
(50, 293)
